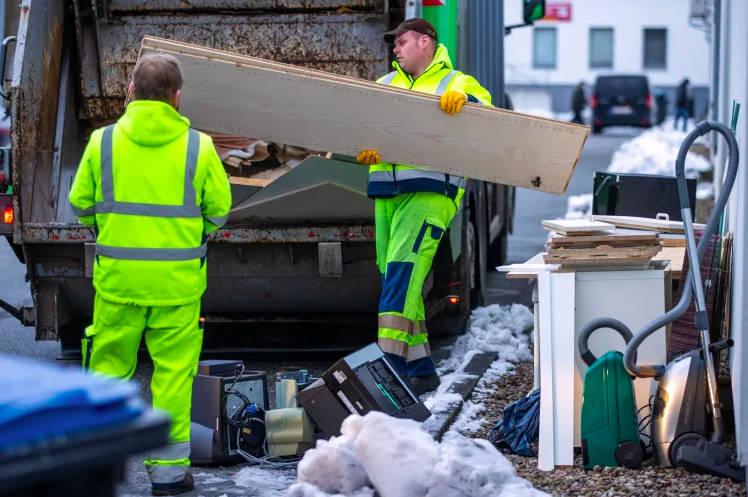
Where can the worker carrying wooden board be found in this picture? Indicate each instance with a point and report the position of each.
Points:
(414, 206)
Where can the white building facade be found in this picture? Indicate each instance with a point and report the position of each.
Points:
(732, 65)
(587, 38)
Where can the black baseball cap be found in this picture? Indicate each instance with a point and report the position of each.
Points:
(416, 24)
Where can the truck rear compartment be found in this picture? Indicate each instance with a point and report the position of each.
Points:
(299, 245)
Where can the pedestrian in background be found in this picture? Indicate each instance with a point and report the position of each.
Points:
(578, 103)
(682, 103)
(152, 188)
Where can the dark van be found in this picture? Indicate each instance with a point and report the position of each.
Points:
(621, 100)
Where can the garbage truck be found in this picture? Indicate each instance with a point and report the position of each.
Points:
(67, 69)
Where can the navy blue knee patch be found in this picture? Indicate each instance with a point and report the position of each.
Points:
(395, 287)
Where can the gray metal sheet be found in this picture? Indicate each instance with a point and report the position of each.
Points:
(312, 171)
(326, 202)
(319, 190)
(348, 44)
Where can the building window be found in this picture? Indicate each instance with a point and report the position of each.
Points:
(601, 48)
(655, 48)
(544, 48)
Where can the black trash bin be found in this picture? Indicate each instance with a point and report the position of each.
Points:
(64, 433)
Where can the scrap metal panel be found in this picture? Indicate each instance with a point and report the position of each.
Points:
(349, 44)
(34, 93)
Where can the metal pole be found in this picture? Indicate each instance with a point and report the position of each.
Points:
(500, 54)
(716, 42)
(413, 8)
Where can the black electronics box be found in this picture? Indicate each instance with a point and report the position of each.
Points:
(366, 381)
(327, 412)
(214, 379)
(640, 195)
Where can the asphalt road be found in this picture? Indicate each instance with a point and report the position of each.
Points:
(526, 241)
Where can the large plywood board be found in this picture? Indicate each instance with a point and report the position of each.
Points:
(576, 227)
(644, 223)
(234, 94)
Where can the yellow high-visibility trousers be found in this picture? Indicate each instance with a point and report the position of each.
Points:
(174, 340)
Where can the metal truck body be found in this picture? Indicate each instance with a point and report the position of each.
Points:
(72, 62)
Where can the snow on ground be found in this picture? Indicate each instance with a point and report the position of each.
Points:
(400, 458)
(651, 152)
(264, 482)
(654, 152)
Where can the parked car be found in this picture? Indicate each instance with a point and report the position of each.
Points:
(621, 100)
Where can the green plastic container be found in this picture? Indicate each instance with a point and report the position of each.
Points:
(610, 431)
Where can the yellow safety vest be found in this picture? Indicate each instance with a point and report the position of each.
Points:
(152, 188)
(388, 180)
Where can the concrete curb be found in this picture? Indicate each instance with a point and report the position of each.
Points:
(476, 368)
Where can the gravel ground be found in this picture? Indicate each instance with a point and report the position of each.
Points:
(649, 480)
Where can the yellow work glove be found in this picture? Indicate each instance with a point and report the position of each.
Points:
(368, 157)
(451, 101)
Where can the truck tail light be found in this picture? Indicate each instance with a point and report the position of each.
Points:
(8, 215)
(649, 100)
(593, 101)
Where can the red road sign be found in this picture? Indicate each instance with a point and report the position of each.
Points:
(557, 12)
(434, 3)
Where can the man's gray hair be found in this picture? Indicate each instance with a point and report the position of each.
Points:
(157, 77)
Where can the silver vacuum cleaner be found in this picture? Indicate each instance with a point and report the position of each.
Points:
(687, 393)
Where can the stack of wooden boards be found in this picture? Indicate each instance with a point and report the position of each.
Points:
(280, 103)
(578, 244)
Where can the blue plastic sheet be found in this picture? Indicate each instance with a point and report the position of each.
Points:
(40, 401)
(519, 427)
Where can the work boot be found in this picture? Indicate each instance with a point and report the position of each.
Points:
(180, 487)
(423, 384)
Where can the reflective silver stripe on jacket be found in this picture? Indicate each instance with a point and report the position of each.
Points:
(388, 79)
(381, 176)
(218, 221)
(152, 254)
(444, 83)
(188, 209)
(407, 174)
(83, 212)
(440, 89)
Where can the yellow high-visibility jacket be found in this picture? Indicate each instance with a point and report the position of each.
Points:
(152, 188)
(388, 180)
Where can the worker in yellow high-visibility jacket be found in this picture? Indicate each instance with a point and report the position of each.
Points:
(152, 188)
(414, 206)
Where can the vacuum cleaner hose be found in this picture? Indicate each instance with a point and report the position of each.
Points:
(594, 325)
(704, 127)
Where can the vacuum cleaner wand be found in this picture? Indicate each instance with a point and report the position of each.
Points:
(695, 252)
(691, 450)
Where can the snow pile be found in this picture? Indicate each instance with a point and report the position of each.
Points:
(399, 459)
(654, 152)
(547, 114)
(469, 420)
(705, 190)
(579, 206)
(493, 329)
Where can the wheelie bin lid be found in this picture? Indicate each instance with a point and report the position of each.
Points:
(40, 401)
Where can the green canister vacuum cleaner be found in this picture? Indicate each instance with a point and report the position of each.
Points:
(686, 396)
(610, 429)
